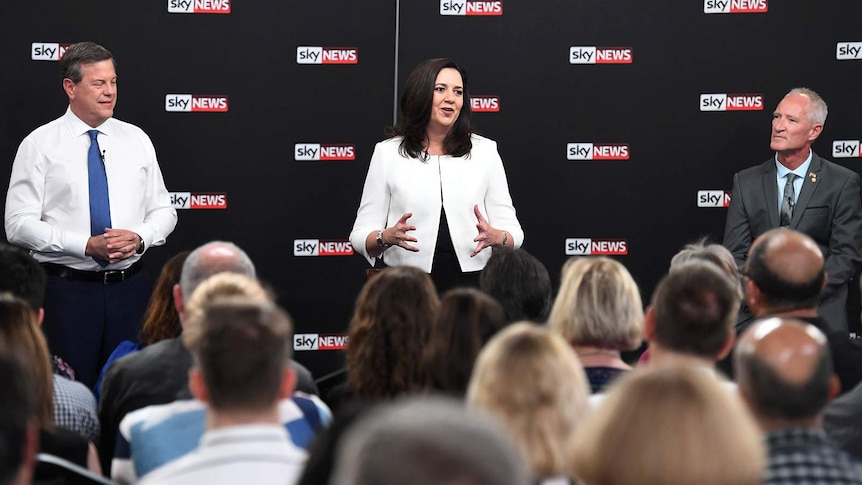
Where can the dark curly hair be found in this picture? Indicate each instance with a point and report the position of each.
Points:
(416, 111)
(388, 331)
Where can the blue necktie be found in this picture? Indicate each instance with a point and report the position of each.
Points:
(100, 207)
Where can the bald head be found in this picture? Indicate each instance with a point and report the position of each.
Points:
(784, 369)
(787, 267)
(210, 259)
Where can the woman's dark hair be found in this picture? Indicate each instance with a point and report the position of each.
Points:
(388, 331)
(416, 111)
(467, 319)
(161, 320)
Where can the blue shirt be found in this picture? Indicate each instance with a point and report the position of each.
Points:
(781, 173)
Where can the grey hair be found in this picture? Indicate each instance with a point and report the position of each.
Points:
(817, 110)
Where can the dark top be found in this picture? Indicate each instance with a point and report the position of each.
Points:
(803, 456)
(601, 377)
(66, 444)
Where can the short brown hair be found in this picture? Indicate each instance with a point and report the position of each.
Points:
(243, 352)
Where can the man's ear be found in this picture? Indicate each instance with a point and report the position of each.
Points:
(649, 324)
(834, 387)
(815, 131)
(197, 385)
(40, 316)
(288, 383)
(753, 297)
(69, 88)
(179, 305)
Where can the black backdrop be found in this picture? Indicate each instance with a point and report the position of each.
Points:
(678, 53)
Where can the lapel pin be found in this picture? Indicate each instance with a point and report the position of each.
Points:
(813, 176)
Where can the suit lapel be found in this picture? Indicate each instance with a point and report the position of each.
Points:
(770, 190)
(808, 188)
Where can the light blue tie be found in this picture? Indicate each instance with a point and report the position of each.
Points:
(100, 207)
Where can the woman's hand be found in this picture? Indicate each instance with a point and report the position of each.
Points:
(397, 234)
(488, 236)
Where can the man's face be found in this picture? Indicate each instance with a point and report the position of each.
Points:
(93, 99)
(792, 130)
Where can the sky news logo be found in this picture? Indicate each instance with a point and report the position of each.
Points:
(199, 200)
(315, 341)
(47, 51)
(713, 198)
(319, 247)
(846, 51)
(847, 149)
(305, 152)
(199, 6)
(470, 7)
(326, 55)
(596, 151)
(731, 102)
(735, 6)
(484, 103)
(196, 103)
(578, 246)
(600, 55)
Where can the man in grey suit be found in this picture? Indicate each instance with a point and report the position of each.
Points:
(800, 190)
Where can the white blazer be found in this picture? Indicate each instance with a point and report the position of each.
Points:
(396, 185)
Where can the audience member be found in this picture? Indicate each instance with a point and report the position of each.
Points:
(161, 319)
(74, 405)
(784, 373)
(155, 435)
(669, 425)
(785, 276)
(19, 436)
(599, 312)
(520, 282)
(321, 455)
(466, 320)
(531, 380)
(242, 354)
(20, 333)
(427, 442)
(388, 331)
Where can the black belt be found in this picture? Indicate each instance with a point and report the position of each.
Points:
(108, 277)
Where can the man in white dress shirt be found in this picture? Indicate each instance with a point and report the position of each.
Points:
(242, 355)
(87, 198)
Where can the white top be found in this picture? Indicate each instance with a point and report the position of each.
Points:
(252, 454)
(48, 203)
(396, 185)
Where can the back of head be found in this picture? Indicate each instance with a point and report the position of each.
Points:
(22, 276)
(220, 285)
(598, 305)
(713, 253)
(388, 332)
(19, 333)
(530, 379)
(695, 310)
(466, 320)
(520, 282)
(784, 370)
(79, 54)
(213, 258)
(18, 402)
(426, 442)
(242, 353)
(788, 269)
(670, 426)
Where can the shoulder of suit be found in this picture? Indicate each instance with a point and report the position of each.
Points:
(830, 165)
(757, 169)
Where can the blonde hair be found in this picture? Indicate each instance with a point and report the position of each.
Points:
(529, 378)
(598, 305)
(674, 426)
(221, 284)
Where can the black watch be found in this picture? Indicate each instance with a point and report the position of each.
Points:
(140, 247)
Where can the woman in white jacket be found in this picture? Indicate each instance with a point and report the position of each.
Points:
(436, 194)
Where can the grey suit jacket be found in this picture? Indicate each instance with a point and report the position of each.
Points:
(829, 209)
